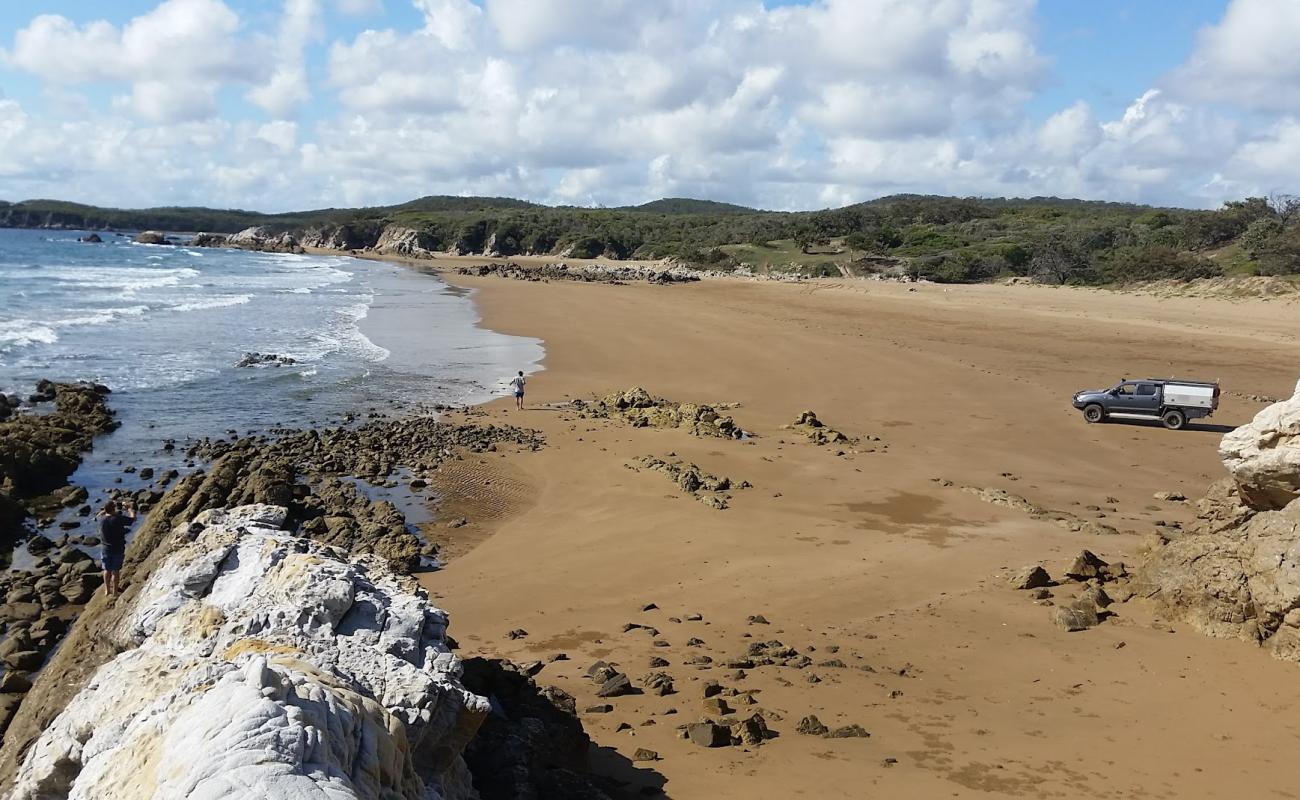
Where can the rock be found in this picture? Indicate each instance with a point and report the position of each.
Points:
(1085, 566)
(250, 663)
(262, 239)
(657, 683)
(150, 237)
(24, 660)
(751, 731)
(1263, 456)
(849, 732)
(208, 240)
(617, 685)
(518, 633)
(264, 360)
(93, 238)
(10, 612)
(642, 754)
(14, 682)
(1031, 577)
(708, 734)
(533, 746)
(604, 708)
(1170, 497)
(1077, 616)
(715, 705)
(811, 726)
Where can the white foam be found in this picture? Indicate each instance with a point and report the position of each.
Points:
(25, 332)
(212, 302)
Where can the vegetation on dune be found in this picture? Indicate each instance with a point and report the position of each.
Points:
(946, 239)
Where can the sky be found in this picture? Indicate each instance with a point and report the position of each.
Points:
(278, 105)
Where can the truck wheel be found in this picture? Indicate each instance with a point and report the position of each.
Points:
(1174, 420)
(1094, 413)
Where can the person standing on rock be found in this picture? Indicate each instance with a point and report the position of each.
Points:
(517, 383)
(113, 525)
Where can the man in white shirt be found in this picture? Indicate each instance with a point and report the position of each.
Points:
(517, 383)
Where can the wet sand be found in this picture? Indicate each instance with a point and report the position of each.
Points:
(869, 559)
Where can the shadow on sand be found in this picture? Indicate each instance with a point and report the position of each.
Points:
(1192, 427)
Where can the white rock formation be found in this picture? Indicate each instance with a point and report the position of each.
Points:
(261, 665)
(1264, 455)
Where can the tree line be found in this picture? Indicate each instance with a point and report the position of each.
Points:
(947, 239)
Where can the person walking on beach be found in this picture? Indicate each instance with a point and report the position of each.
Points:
(517, 383)
(113, 525)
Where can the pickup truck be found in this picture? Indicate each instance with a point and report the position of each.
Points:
(1173, 402)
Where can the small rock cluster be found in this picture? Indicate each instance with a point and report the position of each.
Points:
(710, 490)
(265, 360)
(1066, 519)
(39, 451)
(817, 431)
(1088, 574)
(301, 470)
(640, 409)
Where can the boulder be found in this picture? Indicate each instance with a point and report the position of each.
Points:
(1263, 456)
(1032, 577)
(251, 663)
(708, 734)
(93, 238)
(151, 237)
(1086, 566)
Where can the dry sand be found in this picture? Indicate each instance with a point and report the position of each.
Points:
(962, 680)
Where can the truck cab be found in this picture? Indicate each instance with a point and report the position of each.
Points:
(1171, 401)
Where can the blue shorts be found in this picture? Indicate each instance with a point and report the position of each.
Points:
(112, 560)
(519, 394)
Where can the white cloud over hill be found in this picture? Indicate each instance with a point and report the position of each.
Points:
(615, 101)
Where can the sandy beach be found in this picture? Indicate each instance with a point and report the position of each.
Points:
(870, 559)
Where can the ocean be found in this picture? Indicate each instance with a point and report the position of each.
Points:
(164, 327)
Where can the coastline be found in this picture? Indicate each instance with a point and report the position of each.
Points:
(880, 561)
(862, 559)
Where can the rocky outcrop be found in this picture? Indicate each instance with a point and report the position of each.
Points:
(817, 431)
(263, 240)
(258, 664)
(348, 236)
(1236, 572)
(151, 237)
(209, 240)
(402, 241)
(640, 409)
(1263, 456)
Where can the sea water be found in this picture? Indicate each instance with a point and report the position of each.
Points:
(163, 326)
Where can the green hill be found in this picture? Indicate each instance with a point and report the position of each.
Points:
(954, 239)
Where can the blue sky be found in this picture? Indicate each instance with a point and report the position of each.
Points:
(278, 104)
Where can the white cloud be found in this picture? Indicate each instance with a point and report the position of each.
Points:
(359, 8)
(618, 101)
(287, 88)
(1249, 59)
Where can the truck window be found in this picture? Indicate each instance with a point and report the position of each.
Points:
(1146, 389)
(1126, 389)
